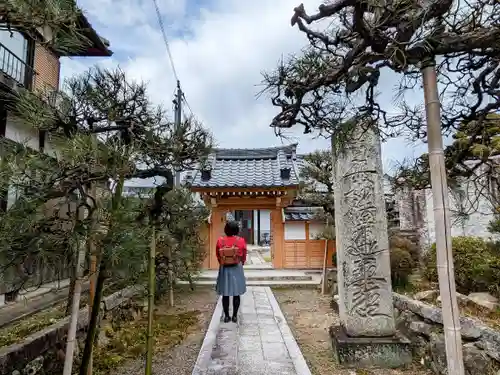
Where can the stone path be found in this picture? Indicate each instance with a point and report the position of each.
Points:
(261, 343)
(255, 259)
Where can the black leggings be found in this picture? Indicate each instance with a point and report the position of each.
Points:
(225, 305)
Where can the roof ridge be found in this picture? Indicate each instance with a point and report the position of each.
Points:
(271, 148)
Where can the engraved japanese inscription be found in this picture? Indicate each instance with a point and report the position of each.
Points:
(365, 293)
(362, 247)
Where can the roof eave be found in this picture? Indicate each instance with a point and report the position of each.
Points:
(198, 188)
(98, 48)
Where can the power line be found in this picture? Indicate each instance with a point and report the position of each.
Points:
(165, 39)
(167, 45)
(187, 104)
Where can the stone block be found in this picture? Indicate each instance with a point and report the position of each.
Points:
(438, 354)
(370, 352)
(476, 361)
(421, 328)
(426, 295)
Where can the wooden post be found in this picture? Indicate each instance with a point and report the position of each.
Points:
(446, 272)
(325, 262)
(307, 246)
(258, 227)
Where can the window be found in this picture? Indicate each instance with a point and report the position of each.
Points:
(13, 53)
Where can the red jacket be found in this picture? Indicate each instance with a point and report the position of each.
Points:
(230, 241)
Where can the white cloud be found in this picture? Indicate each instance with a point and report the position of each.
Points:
(219, 49)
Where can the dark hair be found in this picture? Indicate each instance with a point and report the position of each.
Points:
(232, 228)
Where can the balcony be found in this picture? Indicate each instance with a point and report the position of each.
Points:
(14, 71)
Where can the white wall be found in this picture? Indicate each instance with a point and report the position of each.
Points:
(21, 133)
(49, 147)
(315, 229)
(475, 223)
(265, 223)
(295, 230)
(265, 220)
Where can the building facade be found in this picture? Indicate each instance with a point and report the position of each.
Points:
(29, 63)
(258, 188)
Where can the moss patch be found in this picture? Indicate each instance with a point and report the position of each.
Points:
(18, 331)
(128, 339)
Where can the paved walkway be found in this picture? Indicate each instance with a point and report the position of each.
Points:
(260, 344)
(255, 259)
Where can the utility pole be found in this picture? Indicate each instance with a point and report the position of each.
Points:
(178, 119)
(439, 184)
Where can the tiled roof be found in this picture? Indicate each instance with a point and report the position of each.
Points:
(302, 213)
(245, 168)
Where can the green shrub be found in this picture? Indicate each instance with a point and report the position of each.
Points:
(403, 243)
(404, 260)
(402, 266)
(477, 265)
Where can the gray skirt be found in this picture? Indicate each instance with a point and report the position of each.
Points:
(231, 281)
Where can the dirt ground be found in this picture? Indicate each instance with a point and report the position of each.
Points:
(309, 315)
(180, 359)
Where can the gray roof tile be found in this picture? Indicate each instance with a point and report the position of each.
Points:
(249, 168)
(302, 213)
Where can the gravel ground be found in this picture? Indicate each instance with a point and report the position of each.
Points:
(309, 316)
(180, 360)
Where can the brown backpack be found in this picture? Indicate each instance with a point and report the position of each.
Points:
(229, 254)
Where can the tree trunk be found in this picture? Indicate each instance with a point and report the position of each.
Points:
(93, 279)
(93, 258)
(101, 278)
(170, 277)
(75, 309)
(151, 302)
(94, 319)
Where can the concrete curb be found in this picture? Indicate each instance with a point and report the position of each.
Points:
(205, 353)
(298, 359)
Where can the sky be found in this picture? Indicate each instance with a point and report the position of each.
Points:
(220, 49)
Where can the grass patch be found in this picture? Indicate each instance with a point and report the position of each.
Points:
(128, 340)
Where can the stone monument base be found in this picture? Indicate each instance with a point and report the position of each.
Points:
(370, 352)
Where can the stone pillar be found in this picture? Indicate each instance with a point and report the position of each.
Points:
(404, 200)
(367, 335)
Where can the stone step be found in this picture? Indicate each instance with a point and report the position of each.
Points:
(250, 278)
(272, 283)
(257, 267)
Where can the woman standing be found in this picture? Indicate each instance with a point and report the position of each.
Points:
(232, 254)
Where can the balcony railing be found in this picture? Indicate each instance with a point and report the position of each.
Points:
(16, 68)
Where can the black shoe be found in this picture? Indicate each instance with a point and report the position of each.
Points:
(234, 319)
(227, 319)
